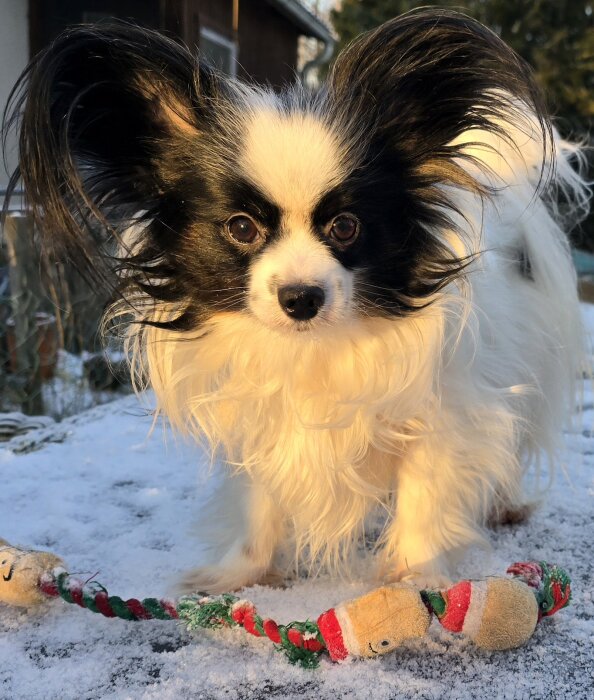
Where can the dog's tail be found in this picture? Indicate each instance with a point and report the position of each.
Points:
(538, 195)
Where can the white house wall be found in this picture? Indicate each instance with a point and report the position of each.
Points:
(14, 55)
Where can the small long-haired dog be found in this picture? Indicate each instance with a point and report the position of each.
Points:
(360, 297)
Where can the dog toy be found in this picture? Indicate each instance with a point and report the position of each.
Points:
(497, 613)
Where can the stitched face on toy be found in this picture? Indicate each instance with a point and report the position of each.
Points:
(382, 620)
(10, 560)
(383, 646)
(20, 570)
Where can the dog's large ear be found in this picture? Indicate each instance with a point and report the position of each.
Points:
(96, 111)
(424, 78)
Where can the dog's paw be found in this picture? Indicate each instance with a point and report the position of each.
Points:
(273, 579)
(430, 575)
(205, 579)
(217, 579)
(427, 580)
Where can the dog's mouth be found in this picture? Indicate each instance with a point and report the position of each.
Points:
(303, 326)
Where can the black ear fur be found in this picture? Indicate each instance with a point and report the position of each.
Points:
(95, 111)
(425, 77)
(416, 83)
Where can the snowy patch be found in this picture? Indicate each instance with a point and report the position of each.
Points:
(119, 503)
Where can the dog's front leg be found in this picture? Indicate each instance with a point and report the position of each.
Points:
(243, 526)
(437, 515)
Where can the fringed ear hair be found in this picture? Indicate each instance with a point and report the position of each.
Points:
(98, 110)
(426, 77)
(404, 93)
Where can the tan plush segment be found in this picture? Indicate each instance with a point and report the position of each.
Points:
(386, 617)
(510, 615)
(20, 570)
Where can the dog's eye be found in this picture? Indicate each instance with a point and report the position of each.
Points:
(344, 229)
(243, 229)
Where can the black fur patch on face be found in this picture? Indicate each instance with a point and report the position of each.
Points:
(399, 263)
(203, 269)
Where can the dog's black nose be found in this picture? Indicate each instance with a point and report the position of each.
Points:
(301, 301)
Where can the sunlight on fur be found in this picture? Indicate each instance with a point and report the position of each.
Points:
(448, 406)
(359, 301)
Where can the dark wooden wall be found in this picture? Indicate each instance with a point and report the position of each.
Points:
(218, 16)
(48, 18)
(267, 44)
(267, 40)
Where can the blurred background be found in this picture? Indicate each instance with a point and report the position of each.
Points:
(51, 359)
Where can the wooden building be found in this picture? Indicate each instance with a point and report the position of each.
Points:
(251, 39)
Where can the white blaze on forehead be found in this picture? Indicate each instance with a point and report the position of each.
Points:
(293, 158)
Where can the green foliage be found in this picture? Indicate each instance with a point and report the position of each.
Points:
(555, 36)
(356, 16)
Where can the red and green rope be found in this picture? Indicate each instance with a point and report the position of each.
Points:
(301, 642)
(551, 584)
(94, 597)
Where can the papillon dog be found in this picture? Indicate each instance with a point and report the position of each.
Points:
(361, 299)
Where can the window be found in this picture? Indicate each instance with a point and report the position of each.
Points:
(218, 50)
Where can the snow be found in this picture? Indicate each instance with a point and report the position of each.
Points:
(118, 501)
(68, 392)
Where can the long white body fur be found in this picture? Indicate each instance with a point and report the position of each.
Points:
(432, 417)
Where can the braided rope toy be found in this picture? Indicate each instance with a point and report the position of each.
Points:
(497, 613)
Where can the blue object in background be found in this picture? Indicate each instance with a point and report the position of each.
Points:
(583, 261)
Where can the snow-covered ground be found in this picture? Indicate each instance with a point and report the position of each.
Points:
(118, 503)
(69, 393)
